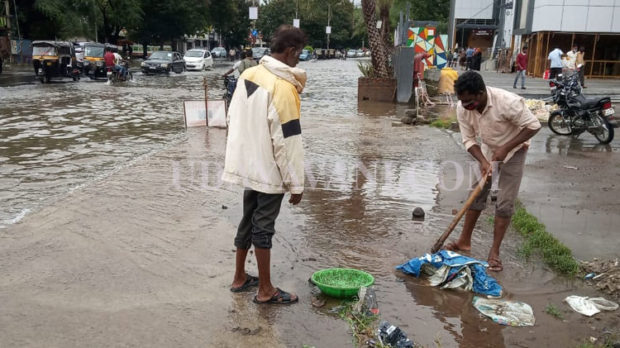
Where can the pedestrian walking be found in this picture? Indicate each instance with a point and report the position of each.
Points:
(265, 155)
(521, 68)
(555, 58)
(580, 62)
(504, 125)
(232, 54)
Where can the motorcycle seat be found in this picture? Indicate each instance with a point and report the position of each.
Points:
(589, 103)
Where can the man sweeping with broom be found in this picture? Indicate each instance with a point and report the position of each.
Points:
(504, 125)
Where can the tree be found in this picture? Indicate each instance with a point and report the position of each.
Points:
(230, 19)
(377, 45)
(423, 10)
(168, 20)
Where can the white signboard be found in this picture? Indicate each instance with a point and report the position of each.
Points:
(328, 30)
(194, 113)
(296, 23)
(253, 12)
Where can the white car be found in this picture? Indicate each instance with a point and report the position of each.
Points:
(219, 52)
(198, 59)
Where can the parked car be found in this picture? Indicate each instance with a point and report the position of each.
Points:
(359, 53)
(163, 62)
(219, 52)
(351, 53)
(198, 59)
(305, 55)
(259, 52)
(367, 53)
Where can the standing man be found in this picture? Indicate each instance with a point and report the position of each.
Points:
(265, 154)
(556, 62)
(572, 58)
(469, 54)
(580, 61)
(521, 68)
(504, 125)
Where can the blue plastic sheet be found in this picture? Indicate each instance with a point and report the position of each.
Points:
(481, 282)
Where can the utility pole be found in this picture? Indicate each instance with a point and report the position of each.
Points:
(329, 17)
(8, 27)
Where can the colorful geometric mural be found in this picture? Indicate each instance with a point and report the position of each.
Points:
(427, 40)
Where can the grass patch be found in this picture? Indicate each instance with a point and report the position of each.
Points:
(364, 327)
(553, 311)
(439, 123)
(554, 253)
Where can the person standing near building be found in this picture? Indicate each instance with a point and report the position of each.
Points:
(504, 125)
(469, 54)
(580, 64)
(476, 60)
(555, 57)
(521, 68)
(265, 155)
(572, 58)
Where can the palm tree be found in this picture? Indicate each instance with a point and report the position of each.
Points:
(376, 42)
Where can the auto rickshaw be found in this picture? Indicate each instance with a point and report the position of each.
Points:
(54, 59)
(94, 65)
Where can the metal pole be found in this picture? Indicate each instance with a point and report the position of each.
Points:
(329, 10)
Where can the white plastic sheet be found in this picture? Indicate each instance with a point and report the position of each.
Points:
(590, 306)
(504, 312)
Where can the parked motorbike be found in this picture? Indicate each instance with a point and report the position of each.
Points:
(577, 114)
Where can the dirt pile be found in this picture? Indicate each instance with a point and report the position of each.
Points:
(606, 275)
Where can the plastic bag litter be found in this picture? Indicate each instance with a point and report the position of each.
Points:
(590, 306)
(505, 312)
(448, 269)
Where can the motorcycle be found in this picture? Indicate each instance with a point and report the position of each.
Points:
(115, 76)
(577, 114)
(230, 82)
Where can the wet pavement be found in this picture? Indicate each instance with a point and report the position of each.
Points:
(118, 231)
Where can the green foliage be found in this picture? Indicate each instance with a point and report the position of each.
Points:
(313, 20)
(441, 123)
(309, 48)
(422, 10)
(366, 69)
(230, 18)
(553, 311)
(554, 253)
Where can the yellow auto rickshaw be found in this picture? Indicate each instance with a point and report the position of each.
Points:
(94, 65)
(54, 59)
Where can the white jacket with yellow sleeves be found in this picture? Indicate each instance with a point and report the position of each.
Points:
(264, 150)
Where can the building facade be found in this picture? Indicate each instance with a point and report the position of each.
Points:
(542, 25)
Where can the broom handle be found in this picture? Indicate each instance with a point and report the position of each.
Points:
(472, 197)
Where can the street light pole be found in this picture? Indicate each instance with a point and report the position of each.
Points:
(329, 17)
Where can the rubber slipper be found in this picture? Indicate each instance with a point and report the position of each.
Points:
(280, 297)
(250, 281)
(495, 265)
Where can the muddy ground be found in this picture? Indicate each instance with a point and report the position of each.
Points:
(143, 255)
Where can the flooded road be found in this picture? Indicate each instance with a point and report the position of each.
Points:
(141, 254)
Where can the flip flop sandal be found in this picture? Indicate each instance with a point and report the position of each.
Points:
(250, 281)
(280, 297)
(495, 265)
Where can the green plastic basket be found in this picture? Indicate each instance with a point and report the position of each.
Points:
(341, 282)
